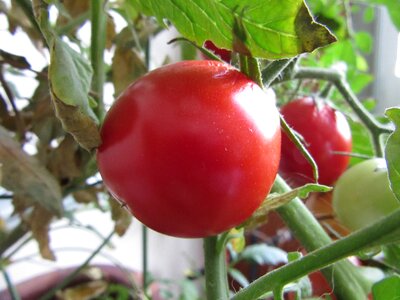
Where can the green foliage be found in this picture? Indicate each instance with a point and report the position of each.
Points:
(387, 289)
(392, 151)
(269, 31)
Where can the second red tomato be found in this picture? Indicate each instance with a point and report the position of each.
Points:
(327, 136)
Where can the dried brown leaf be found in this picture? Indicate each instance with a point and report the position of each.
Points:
(64, 161)
(73, 9)
(110, 32)
(80, 125)
(23, 174)
(86, 196)
(17, 18)
(121, 216)
(44, 122)
(84, 291)
(127, 66)
(39, 223)
(21, 203)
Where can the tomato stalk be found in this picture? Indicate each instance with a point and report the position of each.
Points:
(324, 256)
(98, 42)
(215, 269)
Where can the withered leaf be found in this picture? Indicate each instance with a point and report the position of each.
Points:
(110, 32)
(43, 122)
(64, 161)
(121, 216)
(24, 174)
(86, 196)
(76, 7)
(39, 223)
(79, 125)
(17, 18)
(127, 66)
(84, 291)
(16, 61)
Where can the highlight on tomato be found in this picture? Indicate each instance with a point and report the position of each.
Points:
(326, 135)
(191, 148)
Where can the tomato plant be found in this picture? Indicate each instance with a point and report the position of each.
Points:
(325, 133)
(224, 54)
(187, 147)
(362, 195)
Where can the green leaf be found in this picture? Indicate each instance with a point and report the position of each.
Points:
(70, 78)
(393, 8)
(392, 151)
(362, 147)
(188, 290)
(387, 288)
(364, 41)
(275, 201)
(270, 30)
(263, 254)
(392, 255)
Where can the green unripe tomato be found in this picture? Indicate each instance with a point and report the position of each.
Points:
(362, 195)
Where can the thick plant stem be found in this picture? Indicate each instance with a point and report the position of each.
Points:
(98, 43)
(324, 256)
(348, 283)
(215, 270)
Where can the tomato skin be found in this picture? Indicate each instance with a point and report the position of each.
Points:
(362, 194)
(224, 54)
(192, 148)
(325, 131)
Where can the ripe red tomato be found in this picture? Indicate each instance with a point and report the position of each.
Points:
(325, 132)
(224, 54)
(192, 148)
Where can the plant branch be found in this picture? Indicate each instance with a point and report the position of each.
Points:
(19, 121)
(215, 269)
(98, 44)
(14, 236)
(11, 287)
(274, 70)
(322, 257)
(50, 294)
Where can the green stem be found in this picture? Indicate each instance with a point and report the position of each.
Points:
(10, 286)
(215, 269)
(14, 236)
(71, 25)
(299, 145)
(144, 258)
(98, 44)
(273, 70)
(348, 284)
(50, 294)
(254, 70)
(322, 257)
